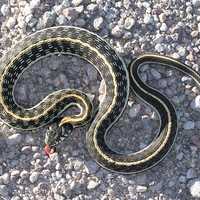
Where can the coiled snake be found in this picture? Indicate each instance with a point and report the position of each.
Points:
(118, 78)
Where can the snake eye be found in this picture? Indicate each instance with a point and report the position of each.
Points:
(66, 129)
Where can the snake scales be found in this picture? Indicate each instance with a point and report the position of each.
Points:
(119, 81)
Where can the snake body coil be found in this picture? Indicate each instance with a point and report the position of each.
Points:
(118, 79)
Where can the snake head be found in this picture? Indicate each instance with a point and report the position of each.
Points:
(56, 134)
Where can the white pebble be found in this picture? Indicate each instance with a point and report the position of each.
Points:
(181, 51)
(5, 9)
(76, 2)
(14, 139)
(148, 19)
(93, 183)
(116, 31)
(195, 189)
(162, 17)
(5, 178)
(34, 177)
(98, 23)
(24, 174)
(34, 4)
(188, 125)
(141, 188)
(129, 23)
(195, 104)
(163, 27)
(11, 22)
(159, 47)
(134, 110)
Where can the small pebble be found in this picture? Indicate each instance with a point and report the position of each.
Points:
(195, 189)
(148, 19)
(5, 178)
(141, 188)
(159, 47)
(5, 10)
(163, 27)
(188, 125)
(182, 179)
(34, 177)
(196, 3)
(14, 139)
(116, 31)
(98, 23)
(155, 74)
(92, 184)
(76, 2)
(129, 23)
(195, 104)
(133, 112)
(4, 191)
(191, 173)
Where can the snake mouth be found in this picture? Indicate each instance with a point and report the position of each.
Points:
(48, 150)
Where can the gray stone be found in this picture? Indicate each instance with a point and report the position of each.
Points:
(195, 189)
(155, 74)
(180, 156)
(191, 173)
(133, 112)
(182, 179)
(148, 19)
(188, 125)
(61, 19)
(92, 167)
(4, 191)
(14, 139)
(47, 19)
(1, 170)
(70, 13)
(29, 139)
(98, 23)
(162, 83)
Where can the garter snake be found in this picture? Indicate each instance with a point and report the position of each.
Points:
(118, 78)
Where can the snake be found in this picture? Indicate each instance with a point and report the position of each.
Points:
(120, 80)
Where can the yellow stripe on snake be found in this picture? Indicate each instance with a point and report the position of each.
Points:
(119, 80)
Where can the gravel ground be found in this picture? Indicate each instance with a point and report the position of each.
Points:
(168, 27)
